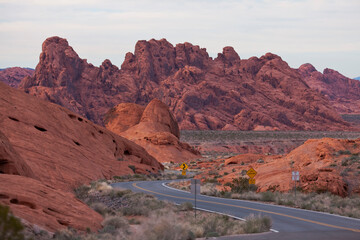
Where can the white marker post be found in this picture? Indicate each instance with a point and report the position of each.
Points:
(295, 176)
(195, 189)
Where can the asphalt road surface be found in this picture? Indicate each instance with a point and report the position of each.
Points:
(288, 223)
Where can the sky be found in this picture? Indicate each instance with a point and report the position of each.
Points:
(325, 33)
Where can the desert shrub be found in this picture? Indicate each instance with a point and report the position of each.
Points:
(82, 192)
(343, 152)
(268, 196)
(211, 180)
(164, 226)
(240, 185)
(260, 161)
(118, 193)
(140, 204)
(186, 206)
(101, 208)
(256, 224)
(345, 162)
(67, 234)
(10, 226)
(132, 167)
(345, 172)
(114, 224)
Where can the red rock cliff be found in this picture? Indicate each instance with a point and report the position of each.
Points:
(224, 93)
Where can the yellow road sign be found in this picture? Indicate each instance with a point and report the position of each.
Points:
(184, 166)
(251, 173)
(183, 172)
(251, 181)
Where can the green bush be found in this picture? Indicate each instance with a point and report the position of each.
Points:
(240, 185)
(132, 167)
(82, 192)
(10, 227)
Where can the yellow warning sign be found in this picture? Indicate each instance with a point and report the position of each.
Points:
(251, 181)
(251, 173)
(184, 166)
(183, 172)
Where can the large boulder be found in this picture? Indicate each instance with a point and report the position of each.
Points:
(156, 130)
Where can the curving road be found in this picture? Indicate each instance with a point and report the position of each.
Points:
(290, 223)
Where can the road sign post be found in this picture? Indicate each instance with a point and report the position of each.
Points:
(251, 173)
(195, 189)
(295, 176)
(183, 166)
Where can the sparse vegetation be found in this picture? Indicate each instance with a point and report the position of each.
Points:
(321, 201)
(159, 219)
(10, 226)
(240, 185)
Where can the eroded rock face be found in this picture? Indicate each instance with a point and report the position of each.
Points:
(156, 130)
(64, 149)
(10, 161)
(45, 206)
(13, 76)
(342, 92)
(224, 93)
(324, 165)
(46, 151)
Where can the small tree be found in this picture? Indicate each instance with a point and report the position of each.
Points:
(10, 227)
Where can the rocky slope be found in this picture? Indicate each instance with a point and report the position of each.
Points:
(13, 76)
(342, 92)
(53, 150)
(203, 93)
(324, 165)
(49, 208)
(154, 128)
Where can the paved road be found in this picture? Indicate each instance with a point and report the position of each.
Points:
(291, 223)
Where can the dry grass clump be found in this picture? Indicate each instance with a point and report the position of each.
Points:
(323, 202)
(257, 224)
(164, 225)
(157, 219)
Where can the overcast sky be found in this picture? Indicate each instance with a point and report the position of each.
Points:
(325, 33)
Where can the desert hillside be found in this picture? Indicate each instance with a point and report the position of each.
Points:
(46, 151)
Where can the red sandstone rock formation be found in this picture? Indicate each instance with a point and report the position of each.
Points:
(64, 149)
(154, 128)
(13, 76)
(53, 150)
(342, 92)
(324, 165)
(224, 93)
(45, 206)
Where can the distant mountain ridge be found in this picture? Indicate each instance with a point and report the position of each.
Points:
(226, 93)
(12, 76)
(357, 78)
(342, 92)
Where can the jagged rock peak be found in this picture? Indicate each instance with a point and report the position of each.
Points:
(307, 67)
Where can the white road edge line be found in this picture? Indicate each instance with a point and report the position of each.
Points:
(298, 209)
(206, 210)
